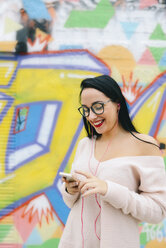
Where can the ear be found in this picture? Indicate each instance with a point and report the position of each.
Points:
(118, 106)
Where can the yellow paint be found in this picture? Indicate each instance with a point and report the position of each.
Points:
(156, 244)
(51, 227)
(6, 71)
(146, 73)
(58, 232)
(8, 220)
(116, 74)
(120, 57)
(7, 46)
(2, 105)
(13, 237)
(148, 111)
(33, 85)
(43, 35)
(11, 26)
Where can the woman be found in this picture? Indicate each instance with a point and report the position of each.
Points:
(119, 174)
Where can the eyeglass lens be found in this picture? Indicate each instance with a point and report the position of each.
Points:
(97, 108)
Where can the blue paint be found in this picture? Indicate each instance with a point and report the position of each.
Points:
(68, 154)
(146, 94)
(158, 114)
(129, 28)
(163, 60)
(70, 47)
(57, 203)
(8, 100)
(36, 117)
(93, 64)
(36, 9)
(34, 238)
(162, 125)
(33, 122)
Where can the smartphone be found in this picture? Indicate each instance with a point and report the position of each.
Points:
(67, 176)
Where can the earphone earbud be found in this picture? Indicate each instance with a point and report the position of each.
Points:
(118, 105)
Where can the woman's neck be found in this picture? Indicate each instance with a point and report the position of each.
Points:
(116, 133)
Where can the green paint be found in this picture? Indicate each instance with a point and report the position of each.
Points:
(48, 244)
(162, 68)
(157, 52)
(158, 34)
(6, 199)
(24, 111)
(165, 161)
(4, 230)
(143, 239)
(97, 18)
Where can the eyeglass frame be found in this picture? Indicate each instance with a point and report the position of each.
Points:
(102, 104)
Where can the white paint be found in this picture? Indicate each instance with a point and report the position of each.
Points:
(141, 101)
(22, 154)
(37, 45)
(47, 124)
(59, 184)
(0, 105)
(39, 205)
(82, 60)
(10, 66)
(62, 75)
(3, 180)
(154, 102)
(79, 76)
(129, 95)
(2, 96)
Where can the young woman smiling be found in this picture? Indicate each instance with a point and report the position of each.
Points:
(119, 174)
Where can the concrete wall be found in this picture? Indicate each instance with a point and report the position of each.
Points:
(66, 41)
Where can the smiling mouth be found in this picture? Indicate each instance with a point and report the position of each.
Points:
(98, 123)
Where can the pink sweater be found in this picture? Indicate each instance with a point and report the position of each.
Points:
(136, 193)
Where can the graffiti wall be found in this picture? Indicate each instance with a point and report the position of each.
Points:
(46, 48)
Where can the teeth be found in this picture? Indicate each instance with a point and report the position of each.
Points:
(97, 122)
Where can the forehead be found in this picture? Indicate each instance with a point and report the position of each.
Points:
(90, 95)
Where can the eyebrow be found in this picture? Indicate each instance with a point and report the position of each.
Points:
(92, 103)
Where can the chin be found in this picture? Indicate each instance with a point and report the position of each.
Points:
(98, 131)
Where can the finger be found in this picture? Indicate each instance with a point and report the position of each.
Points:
(73, 191)
(81, 184)
(75, 177)
(90, 192)
(73, 184)
(87, 181)
(65, 180)
(87, 187)
(87, 175)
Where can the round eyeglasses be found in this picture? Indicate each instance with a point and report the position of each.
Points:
(97, 108)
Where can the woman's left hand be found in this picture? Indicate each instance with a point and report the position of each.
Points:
(91, 184)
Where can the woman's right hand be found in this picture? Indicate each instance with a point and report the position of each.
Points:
(71, 187)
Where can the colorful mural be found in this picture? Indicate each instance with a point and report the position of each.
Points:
(46, 48)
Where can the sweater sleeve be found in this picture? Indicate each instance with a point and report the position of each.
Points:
(149, 205)
(68, 198)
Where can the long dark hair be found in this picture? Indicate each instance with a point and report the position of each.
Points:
(111, 89)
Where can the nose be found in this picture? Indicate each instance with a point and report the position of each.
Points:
(92, 115)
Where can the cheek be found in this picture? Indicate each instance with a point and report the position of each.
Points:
(111, 117)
